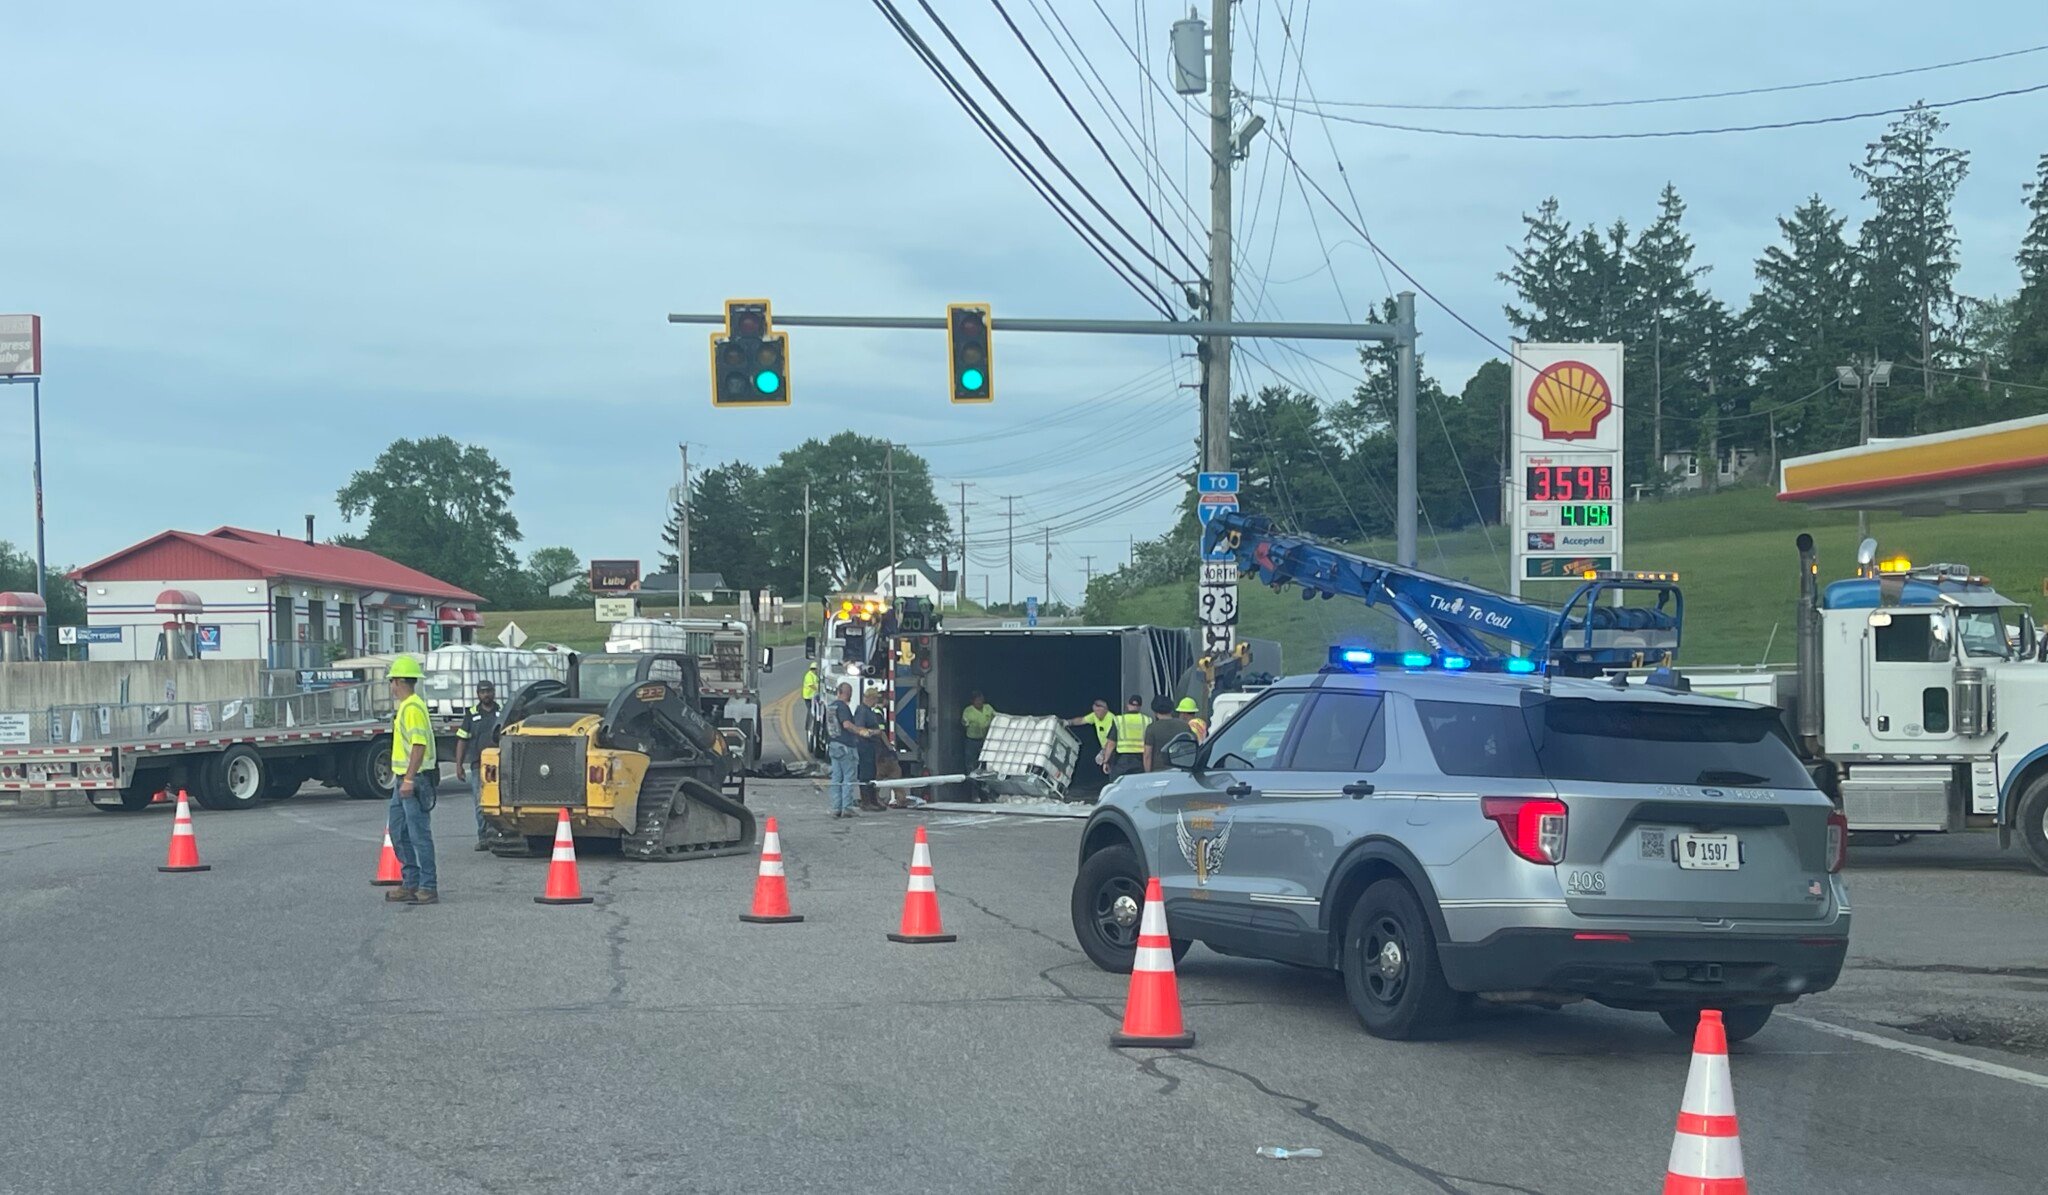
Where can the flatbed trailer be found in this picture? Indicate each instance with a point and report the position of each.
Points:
(226, 754)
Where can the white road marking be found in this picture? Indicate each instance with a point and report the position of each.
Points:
(1959, 1061)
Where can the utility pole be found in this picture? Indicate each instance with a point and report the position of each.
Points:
(889, 472)
(963, 543)
(1404, 431)
(1011, 499)
(683, 534)
(1866, 376)
(807, 560)
(1048, 565)
(1216, 377)
(1088, 573)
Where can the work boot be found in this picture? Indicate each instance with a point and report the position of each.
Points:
(426, 896)
(400, 895)
(482, 845)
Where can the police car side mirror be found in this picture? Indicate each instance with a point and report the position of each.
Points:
(810, 647)
(1182, 751)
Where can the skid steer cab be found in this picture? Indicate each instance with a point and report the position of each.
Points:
(623, 745)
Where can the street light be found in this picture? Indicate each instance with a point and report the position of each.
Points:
(1866, 375)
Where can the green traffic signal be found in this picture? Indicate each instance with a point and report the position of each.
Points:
(767, 381)
(971, 379)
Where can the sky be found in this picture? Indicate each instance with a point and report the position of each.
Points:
(266, 240)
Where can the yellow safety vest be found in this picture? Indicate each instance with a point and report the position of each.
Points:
(1200, 728)
(1101, 726)
(810, 684)
(412, 724)
(1130, 733)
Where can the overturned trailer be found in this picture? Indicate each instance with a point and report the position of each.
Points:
(1038, 671)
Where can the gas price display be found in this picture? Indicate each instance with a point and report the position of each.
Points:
(1571, 483)
(1585, 514)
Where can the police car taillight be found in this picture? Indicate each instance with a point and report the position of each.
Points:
(1533, 826)
(1838, 840)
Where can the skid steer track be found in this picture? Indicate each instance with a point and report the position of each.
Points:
(693, 821)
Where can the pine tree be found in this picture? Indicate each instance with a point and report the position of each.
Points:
(2028, 350)
(1668, 324)
(1907, 250)
(1542, 277)
(1800, 323)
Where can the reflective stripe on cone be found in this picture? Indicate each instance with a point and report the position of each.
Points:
(1706, 1150)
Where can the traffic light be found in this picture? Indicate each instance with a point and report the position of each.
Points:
(749, 360)
(969, 352)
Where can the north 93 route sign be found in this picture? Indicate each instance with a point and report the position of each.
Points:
(1217, 603)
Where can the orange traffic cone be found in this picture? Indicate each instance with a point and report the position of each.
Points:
(771, 891)
(921, 903)
(389, 872)
(1152, 1010)
(1706, 1152)
(563, 886)
(184, 854)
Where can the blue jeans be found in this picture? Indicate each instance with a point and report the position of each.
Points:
(476, 794)
(412, 834)
(845, 773)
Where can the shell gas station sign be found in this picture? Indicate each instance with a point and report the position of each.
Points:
(1564, 457)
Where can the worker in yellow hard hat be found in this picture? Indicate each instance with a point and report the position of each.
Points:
(1192, 714)
(413, 773)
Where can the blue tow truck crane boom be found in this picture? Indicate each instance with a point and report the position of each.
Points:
(1584, 637)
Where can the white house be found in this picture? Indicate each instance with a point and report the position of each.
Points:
(917, 578)
(1685, 466)
(253, 596)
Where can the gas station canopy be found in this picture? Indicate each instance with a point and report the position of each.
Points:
(1994, 467)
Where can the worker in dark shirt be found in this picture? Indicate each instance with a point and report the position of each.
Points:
(1161, 730)
(869, 719)
(479, 729)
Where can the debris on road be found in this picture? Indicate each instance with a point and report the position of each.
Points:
(1282, 1153)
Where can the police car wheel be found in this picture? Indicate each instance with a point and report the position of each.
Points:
(1741, 1023)
(2032, 823)
(1391, 972)
(1108, 902)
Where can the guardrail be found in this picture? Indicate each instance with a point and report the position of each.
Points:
(85, 725)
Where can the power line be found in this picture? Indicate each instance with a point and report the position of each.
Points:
(1130, 275)
(1677, 99)
(1495, 135)
(1092, 138)
(1043, 148)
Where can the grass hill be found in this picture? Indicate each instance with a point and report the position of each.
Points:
(1733, 551)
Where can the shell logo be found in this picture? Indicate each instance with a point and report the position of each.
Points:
(1570, 398)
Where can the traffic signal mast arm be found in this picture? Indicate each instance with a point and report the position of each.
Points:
(1463, 619)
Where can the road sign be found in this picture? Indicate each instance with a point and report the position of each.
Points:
(612, 609)
(1031, 612)
(1217, 604)
(616, 576)
(512, 636)
(1218, 640)
(67, 636)
(1218, 572)
(21, 345)
(1216, 483)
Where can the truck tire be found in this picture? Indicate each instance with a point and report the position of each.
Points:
(1391, 970)
(366, 770)
(1741, 1022)
(2031, 820)
(234, 779)
(287, 776)
(1108, 899)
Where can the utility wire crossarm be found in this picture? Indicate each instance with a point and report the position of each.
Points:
(1583, 637)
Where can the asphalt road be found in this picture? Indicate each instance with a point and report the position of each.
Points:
(274, 1026)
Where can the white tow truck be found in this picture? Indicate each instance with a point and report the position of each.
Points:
(1920, 700)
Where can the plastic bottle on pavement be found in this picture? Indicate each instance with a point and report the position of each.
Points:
(1282, 1152)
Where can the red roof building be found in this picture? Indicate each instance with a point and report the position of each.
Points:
(292, 602)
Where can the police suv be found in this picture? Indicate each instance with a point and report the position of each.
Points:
(1438, 831)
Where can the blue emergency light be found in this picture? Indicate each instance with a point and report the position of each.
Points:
(1415, 659)
(1456, 663)
(1518, 665)
(1352, 657)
